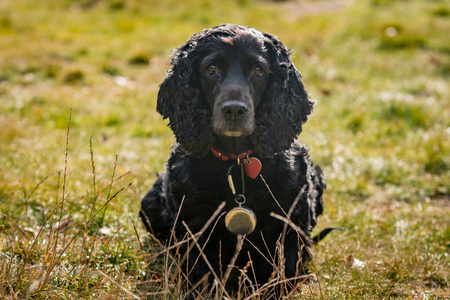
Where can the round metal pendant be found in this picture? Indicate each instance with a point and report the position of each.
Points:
(240, 220)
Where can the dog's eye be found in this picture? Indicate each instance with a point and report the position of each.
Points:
(211, 69)
(258, 71)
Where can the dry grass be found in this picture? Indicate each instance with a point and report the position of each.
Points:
(69, 200)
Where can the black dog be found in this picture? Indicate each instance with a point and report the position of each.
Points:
(234, 98)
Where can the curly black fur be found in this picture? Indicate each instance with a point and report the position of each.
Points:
(198, 178)
(279, 118)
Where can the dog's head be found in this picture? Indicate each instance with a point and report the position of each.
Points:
(235, 88)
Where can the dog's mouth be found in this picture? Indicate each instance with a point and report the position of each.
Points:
(233, 133)
(233, 129)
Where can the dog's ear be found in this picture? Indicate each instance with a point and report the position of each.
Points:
(285, 106)
(179, 100)
(171, 90)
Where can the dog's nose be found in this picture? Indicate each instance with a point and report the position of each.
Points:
(234, 110)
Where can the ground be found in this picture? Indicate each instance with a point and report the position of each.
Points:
(81, 143)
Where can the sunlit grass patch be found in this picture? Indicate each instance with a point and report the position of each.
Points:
(378, 71)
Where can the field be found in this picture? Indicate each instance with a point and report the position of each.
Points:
(80, 141)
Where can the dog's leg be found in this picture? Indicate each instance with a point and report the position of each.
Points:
(154, 213)
(203, 271)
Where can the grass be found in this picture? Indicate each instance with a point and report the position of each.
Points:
(378, 69)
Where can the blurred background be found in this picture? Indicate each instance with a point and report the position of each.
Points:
(70, 194)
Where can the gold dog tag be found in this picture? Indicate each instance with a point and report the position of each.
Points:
(240, 220)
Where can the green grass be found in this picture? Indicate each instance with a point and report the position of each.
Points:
(379, 71)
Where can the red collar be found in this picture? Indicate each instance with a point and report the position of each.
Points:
(224, 157)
